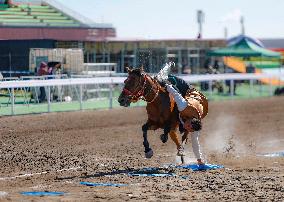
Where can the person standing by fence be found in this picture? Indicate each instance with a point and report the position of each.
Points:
(42, 71)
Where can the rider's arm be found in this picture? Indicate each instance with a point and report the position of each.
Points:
(195, 144)
(196, 147)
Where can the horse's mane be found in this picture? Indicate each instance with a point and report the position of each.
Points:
(137, 71)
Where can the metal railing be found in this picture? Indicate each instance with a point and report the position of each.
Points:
(79, 83)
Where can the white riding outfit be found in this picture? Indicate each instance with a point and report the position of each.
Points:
(182, 104)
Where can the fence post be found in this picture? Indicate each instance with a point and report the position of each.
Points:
(110, 94)
(48, 99)
(270, 86)
(81, 96)
(260, 88)
(211, 89)
(13, 102)
(232, 87)
(250, 87)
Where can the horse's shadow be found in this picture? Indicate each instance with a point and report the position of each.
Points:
(150, 170)
(100, 174)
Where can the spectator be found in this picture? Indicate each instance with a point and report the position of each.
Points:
(250, 68)
(216, 65)
(42, 71)
(55, 70)
(228, 82)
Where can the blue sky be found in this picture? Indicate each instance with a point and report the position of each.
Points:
(166, 19)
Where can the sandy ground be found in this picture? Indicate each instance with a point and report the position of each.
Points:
(61, 150)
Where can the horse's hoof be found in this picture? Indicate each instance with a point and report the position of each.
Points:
(182, 159)
(180, 151)
(149, 154)
(164, 137)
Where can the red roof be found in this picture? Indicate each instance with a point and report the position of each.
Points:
(60, 34)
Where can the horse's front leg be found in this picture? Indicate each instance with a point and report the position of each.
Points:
(174, 137)
(148, 151)
(164, 136)
(184, 138)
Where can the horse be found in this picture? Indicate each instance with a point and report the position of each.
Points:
(140, 85)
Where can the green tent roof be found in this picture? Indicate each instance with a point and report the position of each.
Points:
(244, 49)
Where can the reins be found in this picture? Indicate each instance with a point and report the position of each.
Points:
(140, 93)
(157, 93)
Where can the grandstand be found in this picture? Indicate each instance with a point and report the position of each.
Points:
(38, 13)
(27, 24)
(34, 15)
(47, 14)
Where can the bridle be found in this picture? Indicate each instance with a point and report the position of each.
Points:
(139, 92)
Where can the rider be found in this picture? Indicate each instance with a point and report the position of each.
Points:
(193, 106)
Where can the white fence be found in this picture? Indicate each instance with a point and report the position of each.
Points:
(210, 78)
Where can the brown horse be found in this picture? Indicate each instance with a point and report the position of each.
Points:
(140, 85)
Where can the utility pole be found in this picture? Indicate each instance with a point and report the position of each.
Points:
(225, 32)
(242, 20)
(200, 21)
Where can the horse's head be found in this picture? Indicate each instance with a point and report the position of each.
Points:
(134, 87)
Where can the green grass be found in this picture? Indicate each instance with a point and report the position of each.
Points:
(242, 92)
(21, 108)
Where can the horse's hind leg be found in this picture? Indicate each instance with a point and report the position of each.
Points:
(148, 151)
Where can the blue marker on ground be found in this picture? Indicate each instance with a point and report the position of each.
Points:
(91, 184)
(196, 167)
(42, 193)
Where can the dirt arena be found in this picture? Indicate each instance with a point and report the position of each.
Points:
(60, 150)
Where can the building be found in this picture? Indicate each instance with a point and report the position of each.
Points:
(26, 24)
(188, 55)
(42, 24)
(275, 45)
